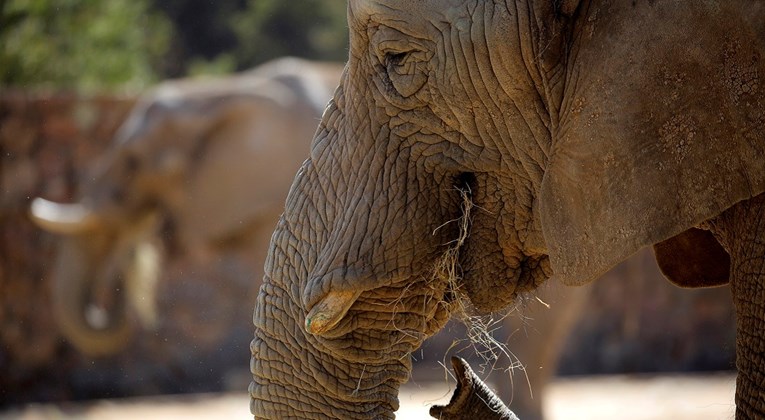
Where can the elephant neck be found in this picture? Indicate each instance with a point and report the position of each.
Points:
(741, 230)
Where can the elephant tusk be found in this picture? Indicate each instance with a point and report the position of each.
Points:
(60, 218)
(329, 311)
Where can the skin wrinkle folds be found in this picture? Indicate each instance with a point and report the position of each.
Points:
(469, 86)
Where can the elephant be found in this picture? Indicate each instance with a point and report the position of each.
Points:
(475, 149)
(206, 162)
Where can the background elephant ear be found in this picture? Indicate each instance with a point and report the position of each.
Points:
(245, 166)
(645, 152)
(693, 259)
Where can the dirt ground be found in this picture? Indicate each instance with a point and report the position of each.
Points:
(677, 397)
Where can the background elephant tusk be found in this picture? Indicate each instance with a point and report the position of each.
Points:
(329, 311)
(60, 218)
(143, 274)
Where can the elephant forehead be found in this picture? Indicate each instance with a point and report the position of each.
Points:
(408, 10)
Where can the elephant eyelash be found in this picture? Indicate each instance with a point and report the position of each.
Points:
(395, 59)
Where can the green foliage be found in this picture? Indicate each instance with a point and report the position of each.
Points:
(80, 44)
(223, 63)
(314, 29)
(203, 39)
(106, 44)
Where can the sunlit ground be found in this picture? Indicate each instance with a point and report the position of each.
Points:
(603, 397)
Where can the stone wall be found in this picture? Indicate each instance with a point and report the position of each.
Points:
(46, 144)
(45, 139)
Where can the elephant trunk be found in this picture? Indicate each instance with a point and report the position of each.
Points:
(298, 372)
(340, 311)
(344, 356)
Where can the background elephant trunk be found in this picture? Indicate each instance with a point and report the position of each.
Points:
(96, 330)
(97, 288)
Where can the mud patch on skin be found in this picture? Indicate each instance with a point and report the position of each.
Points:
(739, 74)
(677, 135)
(673, 82)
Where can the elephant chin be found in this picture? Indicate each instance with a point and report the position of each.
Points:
(534, 271)
(488, 298)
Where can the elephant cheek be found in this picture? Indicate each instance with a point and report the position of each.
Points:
(497, 266)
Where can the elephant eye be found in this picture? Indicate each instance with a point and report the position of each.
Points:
(395, 59)
(405, 71)
(401, 60)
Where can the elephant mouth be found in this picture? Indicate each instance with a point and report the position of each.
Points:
(431, 300)
(534, 271)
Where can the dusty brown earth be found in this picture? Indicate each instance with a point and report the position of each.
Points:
(678, 397)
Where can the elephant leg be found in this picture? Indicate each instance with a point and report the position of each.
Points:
(741, 230)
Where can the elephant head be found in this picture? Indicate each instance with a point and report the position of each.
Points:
(476, 148)
(210, 159)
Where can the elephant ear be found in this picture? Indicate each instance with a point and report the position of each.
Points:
(693, 259)
(660, 130)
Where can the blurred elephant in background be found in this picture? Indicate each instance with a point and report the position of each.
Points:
(207, 162)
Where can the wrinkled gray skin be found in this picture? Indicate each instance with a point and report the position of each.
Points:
(212, 159)
(580, 132)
